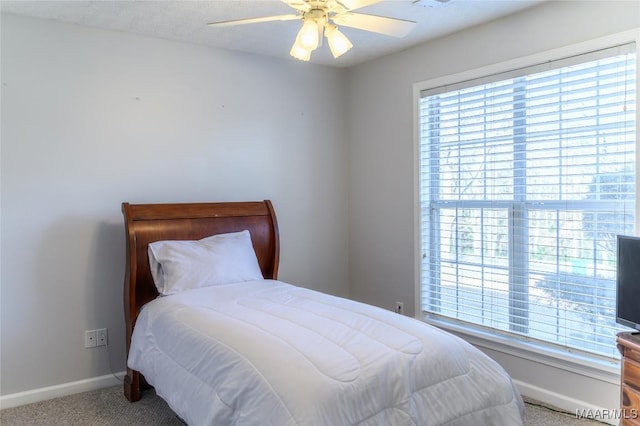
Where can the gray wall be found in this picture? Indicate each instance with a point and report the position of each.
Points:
(92, 118)
(381, 153)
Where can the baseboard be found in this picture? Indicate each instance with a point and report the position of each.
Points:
(50, 392)
(568, 404)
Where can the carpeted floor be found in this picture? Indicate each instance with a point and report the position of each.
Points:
(106, 407)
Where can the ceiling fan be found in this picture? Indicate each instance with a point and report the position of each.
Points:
(320, 19)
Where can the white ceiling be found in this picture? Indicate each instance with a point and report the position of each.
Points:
(185, 20)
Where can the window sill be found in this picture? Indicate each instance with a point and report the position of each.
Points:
(592, 366)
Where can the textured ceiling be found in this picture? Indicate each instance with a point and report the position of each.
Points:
(185, 20)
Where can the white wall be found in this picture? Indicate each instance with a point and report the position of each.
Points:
(92, 118)
(381, 161)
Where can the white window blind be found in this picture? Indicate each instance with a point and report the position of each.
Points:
(526, 178)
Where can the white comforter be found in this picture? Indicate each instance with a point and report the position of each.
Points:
(266, 352)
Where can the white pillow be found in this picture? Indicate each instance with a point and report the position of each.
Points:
(220, 259)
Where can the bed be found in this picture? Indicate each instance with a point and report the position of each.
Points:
(231, 344)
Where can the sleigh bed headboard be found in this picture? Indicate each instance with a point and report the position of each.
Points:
(147, 223)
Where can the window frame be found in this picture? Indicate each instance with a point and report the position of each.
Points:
(590, 365)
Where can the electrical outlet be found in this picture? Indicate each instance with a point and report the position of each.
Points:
(93, 338)
(90, 337)
(101, 337)
(399, 308)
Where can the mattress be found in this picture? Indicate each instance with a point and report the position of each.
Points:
(271, 353)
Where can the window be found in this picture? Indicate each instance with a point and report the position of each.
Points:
(526, 178)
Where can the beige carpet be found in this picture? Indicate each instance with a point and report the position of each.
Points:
(108, 406)
(101, 407)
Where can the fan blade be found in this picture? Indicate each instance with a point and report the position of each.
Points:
(300, 5)
(377, 24)
(356, 4)
(254, 20)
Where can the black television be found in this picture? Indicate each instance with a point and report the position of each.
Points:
(628, 282)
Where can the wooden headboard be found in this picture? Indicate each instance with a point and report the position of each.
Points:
(147, 223)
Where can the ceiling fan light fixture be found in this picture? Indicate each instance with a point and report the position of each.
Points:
(339, 44)
(300, 52)
(308, 36)
(321, 18)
